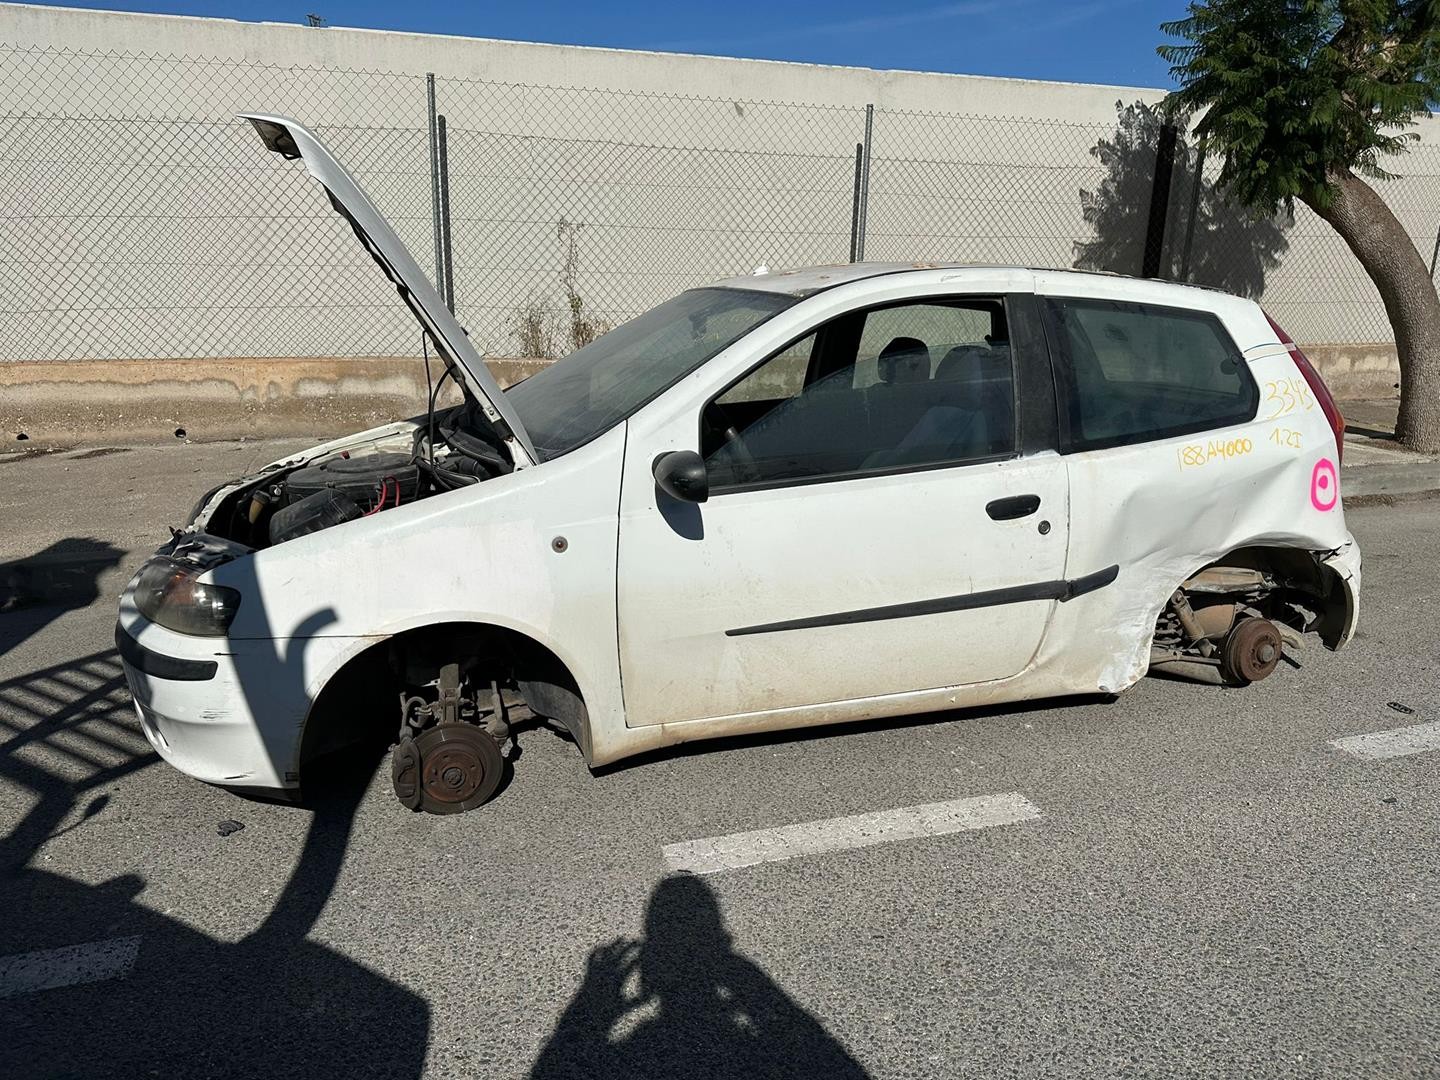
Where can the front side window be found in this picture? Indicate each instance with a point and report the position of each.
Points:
(575, 399)
(1135, 372)
(898, 387)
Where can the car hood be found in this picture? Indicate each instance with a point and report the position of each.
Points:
(293, 140)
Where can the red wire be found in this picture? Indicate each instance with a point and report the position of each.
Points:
(385, 494)
(384, 490)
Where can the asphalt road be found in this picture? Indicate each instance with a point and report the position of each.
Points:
(1208, 887)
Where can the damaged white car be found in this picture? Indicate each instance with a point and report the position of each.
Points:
(782, 500)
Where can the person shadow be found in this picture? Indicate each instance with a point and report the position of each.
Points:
(274, 1001)
(698, 1008)
(64, 576)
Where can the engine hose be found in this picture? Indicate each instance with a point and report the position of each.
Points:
(473, 446)
(470, 445)
(448, 478)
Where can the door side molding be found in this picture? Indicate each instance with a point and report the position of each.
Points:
(1060, 590)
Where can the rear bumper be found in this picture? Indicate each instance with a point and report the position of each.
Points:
(1339, 625)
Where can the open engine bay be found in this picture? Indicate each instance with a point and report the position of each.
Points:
(455, 448)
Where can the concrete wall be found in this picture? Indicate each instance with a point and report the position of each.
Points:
(144, 223)
(521, 63)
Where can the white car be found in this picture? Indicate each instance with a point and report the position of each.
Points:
(782, 500)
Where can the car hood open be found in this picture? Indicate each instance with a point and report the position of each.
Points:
(293, 140)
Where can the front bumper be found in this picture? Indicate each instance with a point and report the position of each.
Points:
(209, 727)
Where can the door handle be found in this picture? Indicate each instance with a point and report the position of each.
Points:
(1015, 506)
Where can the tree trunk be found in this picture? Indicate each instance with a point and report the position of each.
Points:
(1388, 255)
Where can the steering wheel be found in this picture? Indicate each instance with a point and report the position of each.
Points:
(722, 425)
(719, 422)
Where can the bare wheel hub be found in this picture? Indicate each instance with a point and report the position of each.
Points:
(1252, 650)
(460, 767)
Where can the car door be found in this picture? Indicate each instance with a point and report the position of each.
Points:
(878, 521)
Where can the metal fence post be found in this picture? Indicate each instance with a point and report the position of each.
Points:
(445, 248)
(1195, 211)
(1159, 203)
(855, 205)
(434, 181)
(864, 210)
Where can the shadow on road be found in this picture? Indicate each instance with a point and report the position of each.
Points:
(270, 1004)
(698, 1009)
(38, 589)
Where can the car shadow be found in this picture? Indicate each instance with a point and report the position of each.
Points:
(681, 1002)
(817, 732)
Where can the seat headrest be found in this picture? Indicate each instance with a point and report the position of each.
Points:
(905, 359)
(974, 363)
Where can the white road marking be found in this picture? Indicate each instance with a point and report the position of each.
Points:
(50, 969)
(1378, 745)
(842, 833)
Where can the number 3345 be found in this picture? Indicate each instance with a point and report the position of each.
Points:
(1285, 396)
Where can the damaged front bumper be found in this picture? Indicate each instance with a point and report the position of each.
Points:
(224, 710)
(195, 710)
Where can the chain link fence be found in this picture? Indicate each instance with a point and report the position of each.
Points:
(140, 219)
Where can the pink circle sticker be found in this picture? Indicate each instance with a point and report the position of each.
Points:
(1324, 485)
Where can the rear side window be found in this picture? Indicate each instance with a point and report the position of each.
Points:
(1135, 372)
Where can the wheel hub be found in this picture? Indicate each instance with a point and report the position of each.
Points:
(460, 767)
(1252, 650)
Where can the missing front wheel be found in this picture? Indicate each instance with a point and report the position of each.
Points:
(448, 758)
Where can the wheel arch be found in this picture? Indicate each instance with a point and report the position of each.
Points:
(374, 669)
(1300, 566)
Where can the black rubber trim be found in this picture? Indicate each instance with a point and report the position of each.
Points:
(1016, 594)
(161, 667)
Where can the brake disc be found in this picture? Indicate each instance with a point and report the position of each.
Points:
(460, 768)
(1251, 652)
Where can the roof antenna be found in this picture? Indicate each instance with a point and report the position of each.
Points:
(314, 20)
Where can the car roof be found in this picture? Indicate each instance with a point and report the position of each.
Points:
(808, 280)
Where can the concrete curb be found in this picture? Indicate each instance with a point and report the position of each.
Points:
(1402, 478)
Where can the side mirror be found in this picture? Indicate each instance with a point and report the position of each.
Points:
(681, 475)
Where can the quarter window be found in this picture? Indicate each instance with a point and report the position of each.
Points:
(1135, 372)
(903, 386)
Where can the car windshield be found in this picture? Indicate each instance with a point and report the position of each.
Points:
(575, 399)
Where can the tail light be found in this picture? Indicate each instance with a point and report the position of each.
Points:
(1317, 387)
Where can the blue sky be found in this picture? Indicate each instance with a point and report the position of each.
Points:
(1107, 41)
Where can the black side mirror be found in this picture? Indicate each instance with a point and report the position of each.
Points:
(681, 475)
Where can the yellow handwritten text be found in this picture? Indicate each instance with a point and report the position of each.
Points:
(1198, 454)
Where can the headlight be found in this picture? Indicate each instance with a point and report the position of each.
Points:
(167, 592)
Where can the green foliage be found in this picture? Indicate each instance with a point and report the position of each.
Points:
(1294, 92)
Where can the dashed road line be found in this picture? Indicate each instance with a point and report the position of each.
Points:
(51, 969)
(1378, 745)
(738, 850)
